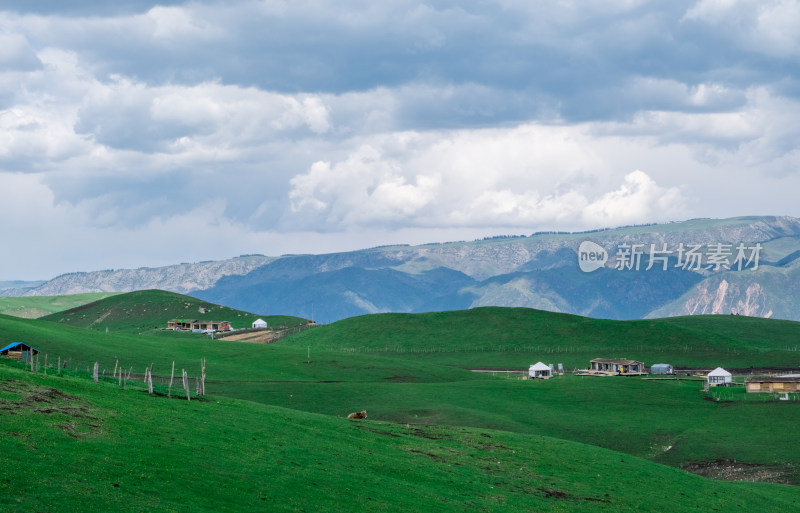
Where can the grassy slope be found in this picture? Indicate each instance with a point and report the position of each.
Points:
(390, 380)
(495, 337)
(38, 306)
(69, 445)
(148, 310)
(668, 422)
(229, 361)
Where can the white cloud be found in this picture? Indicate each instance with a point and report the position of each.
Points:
(506, 207)
(366, 123)
(363, 190)
(755, 138)
(180, 23)
(526, 176)
(767, 26)
(55, 237)
(307, 110)
(638, 198)
(16, 53)
(128, 114)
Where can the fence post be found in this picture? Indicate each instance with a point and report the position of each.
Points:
(203, 377)
(94, 374)
(171, 377)
(186, 385)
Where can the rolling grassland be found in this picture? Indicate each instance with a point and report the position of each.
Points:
(272, 429)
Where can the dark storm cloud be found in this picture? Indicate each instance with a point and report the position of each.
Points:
(578, 62)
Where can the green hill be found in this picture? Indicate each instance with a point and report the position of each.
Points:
(32, 307)
(494, 337)
(73, 445)
(413, 369)
(148, 310)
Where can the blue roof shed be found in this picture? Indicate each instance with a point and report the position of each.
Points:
(18, 351)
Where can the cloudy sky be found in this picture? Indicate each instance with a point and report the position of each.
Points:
(135, 133)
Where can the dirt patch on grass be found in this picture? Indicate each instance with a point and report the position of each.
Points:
(400, 379)
(732, 470)
(434, 457)
(377, 431)
(77, 415)
(253, 337)
(422, 433)
(487, 447)
(551, 493)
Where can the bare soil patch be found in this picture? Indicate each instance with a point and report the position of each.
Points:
(258, 337)
(40, 400)
(732, 470)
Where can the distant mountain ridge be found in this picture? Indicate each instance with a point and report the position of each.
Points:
(180, 278)
(746, 266)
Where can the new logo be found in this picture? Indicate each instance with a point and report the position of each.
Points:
(591, 256)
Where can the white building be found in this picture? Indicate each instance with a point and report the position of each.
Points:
(260, 323)
(540, 371)
(719, 377)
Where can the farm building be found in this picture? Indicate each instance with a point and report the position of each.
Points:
(777, 384)
(540, 371)
(719, 377)
(662, 368)
(259, 323)
(179, 324)
(615, 365)
(18, 351)
(195, 325)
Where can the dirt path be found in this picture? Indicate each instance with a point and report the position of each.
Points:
(258, 337)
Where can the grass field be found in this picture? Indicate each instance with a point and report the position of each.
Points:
(34, 307)
(73, 445)
(411, 373)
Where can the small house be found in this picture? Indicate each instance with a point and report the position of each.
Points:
(198, 326)
(179, 324)
(776, 384)
(719, 377)
(662, 368)
(616, 366)
(540, 371)
(208, 326)
(18, 351)
(259, 323)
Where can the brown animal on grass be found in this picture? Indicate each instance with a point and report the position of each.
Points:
(358, 415)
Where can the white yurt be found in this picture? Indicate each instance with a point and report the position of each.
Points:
(260, 323)
(540, 371)
(719, 377)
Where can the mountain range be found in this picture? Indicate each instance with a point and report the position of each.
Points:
(744, 266)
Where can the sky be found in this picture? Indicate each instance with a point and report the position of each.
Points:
(136, 133)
